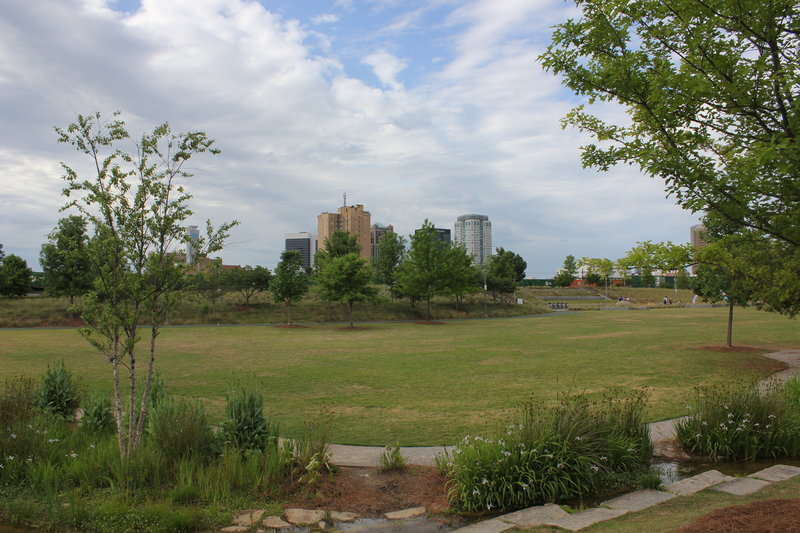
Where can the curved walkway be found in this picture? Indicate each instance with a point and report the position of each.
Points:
(661, 433)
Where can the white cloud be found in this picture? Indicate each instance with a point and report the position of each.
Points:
(386, 67)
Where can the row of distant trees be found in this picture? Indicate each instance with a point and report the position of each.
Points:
(601, 271)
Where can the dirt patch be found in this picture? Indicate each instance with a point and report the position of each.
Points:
(367, 492)
(730, 348)
(771, 516)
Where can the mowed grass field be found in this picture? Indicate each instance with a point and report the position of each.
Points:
(421, 384)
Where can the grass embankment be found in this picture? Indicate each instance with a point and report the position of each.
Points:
(422, 384)
(46, 311)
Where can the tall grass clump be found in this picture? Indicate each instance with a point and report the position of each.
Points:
(246, 427)
(17, 401)
(743, 420)
(59, 392)
(97, 416)
(552, 454)
(181, 429)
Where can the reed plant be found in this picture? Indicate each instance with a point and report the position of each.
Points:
(742, 419)
(551, 454)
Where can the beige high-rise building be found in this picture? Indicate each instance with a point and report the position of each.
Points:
(350, 218)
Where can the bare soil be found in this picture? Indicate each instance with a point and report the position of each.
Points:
(771, 516)
(370, 493)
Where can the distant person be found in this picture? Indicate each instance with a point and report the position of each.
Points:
(670, 300)
(694, 299)
(664, 301)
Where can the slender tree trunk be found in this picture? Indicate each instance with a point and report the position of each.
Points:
(137, 437)
(429, 307)
(730, 323)
(289, 312)
(350, 308)
(118, 399)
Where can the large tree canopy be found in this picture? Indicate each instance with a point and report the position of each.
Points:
(712, 89)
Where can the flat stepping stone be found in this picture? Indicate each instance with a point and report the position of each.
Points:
(777, 473)
(339, 516)
(535, 516)
(275, 522)
(304, 517)
(574, 522)
(742, 486)
(697, 483)
(495, 525)
(641, 499)
(248, 518)
(414, 512)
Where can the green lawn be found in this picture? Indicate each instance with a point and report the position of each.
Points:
(431, 384)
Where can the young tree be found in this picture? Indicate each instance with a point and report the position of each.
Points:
(600, 269)
(15, 277)
(290, 282)
(339, 244)
(65, 259)
(503, 271)
(346, 279)
(711, 90)
(391, 251)
(211, 282)
(566, 275)
(249, 281)
(422, 274)
(137, 207)
(462, 277)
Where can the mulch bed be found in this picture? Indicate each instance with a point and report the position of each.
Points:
(771, 516)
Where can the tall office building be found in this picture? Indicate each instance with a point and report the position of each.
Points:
(304, 243)
(474, 232)
(352, 219)
(696, 237)
(193, 235)
(375, 233)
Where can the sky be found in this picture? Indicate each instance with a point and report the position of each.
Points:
(415, 109)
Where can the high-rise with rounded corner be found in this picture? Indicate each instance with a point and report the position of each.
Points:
(474, 232)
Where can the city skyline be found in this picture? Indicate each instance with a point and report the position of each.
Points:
(419, 109)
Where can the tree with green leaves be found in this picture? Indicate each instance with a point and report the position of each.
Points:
(138, 208)
(568, 272)
(503, 270)
(462, 275)
(65, 259)
(391, 251)
(249, 281)
(15, 277)
(601, 269)
(423, 273)
(346, 279)
(290, 282)
(338, 244)
(711, 91)
(211, 282)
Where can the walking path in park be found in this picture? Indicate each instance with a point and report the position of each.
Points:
(665, 445)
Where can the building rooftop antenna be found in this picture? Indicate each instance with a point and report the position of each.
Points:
(344, 200)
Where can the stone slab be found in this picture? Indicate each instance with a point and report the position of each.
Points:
(697, 483)
(304, 517)
(742, 486)
(248, 518)
(275, 522)
(406, 513)
(494, 525)
(535, 516)
(641, 499)
(777, 473)
(339, 516)
(577, 521)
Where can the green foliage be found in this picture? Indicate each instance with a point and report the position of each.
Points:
(391, 460)
(181, 429)
(59, 392)
(568, 272)
(15, 277)
(246, 427)
(503, 271)
(97, 416)
(211, 282)
(742, 420)
(650, 480)
(346, 279)
(552, 454)
(291, 282)
(249, 281)
(17, 401)
(312, 442)
(423, 273)
(391, 251)
(65, 259)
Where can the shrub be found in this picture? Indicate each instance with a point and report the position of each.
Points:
(312, 443)
(552, 454)
(246, 427)
(391, 459)
(181, 430)
(97, 416)
(742, 420)
(17, 401)
(59, 392)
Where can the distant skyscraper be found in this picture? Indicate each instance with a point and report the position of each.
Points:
(375, 233)
(696, 237)
(443, 234)
(352, 219)
(193, 234)
(304, 243)
(474, 232)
